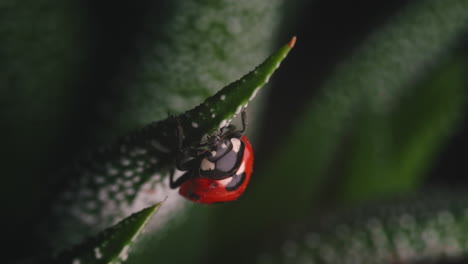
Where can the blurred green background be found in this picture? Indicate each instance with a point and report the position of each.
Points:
(370, 104)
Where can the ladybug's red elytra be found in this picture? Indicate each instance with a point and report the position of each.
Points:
(220, 171)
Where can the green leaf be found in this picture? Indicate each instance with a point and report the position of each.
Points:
(121, 178)
(41, 53)
(111, 245)
(428, 228)
(391, 151)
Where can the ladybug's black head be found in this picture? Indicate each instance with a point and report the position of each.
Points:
(223, 159)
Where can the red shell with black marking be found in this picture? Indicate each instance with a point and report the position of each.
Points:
(207, 190)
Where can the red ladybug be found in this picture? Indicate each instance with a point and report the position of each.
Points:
(218, 173)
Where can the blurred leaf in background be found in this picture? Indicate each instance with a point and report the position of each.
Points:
(42, 59)
(366, 107)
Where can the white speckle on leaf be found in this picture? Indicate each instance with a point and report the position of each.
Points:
(328, 254)
(85, 193)
(130, 191)
(141, 151)
(223, 123)
(91, 205)
(99, 179)
(290, 248)
(265, 258)
(120, 196)
(223, 97)
(119, 181)
(402, 245)
(97, 253)
(407, 221)
(312, 240)
(213, 115)
(128, 173)
(124, 253)
(374, 223)
(102, 195)
(233, 25)
(445, 218)
(194, 124)
(125, 162)
(128, 184)
(109, 206)
(254, 94)
(158, 146)
(76, 261)
(238, 109)
(112, 171)
(83, 216)
(114, 188)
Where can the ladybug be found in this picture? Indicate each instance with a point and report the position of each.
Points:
(218, 172)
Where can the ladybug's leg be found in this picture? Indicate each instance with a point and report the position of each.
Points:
(180, 135)
(187, 153)
(184, 159)
(174, 184)
(244, 120)
(232, 129)
(185, 162)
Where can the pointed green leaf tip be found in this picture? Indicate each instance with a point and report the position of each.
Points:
(218, 110)
(112, 244)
